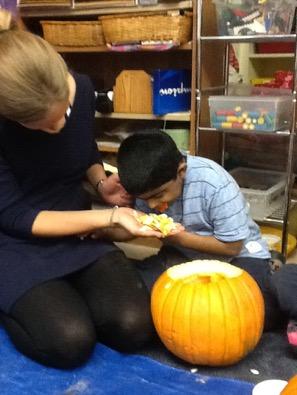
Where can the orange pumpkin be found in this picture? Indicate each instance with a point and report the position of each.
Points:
(291, 387)
(208, 312)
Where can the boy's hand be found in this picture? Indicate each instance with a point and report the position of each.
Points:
(114, 234)
(175, 238)
(178, 229)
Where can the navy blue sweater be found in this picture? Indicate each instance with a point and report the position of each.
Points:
(41, 171)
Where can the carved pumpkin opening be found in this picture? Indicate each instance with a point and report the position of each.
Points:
(203, 279)
(204, 268)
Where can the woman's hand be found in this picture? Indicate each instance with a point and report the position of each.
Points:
(124, 224)
(161, 222)
(127, 218)
(113, 193)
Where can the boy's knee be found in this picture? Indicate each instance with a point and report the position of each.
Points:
(284, 285)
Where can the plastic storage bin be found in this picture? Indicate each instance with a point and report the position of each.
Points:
(245, 17)
(269, 113)
(263, 189)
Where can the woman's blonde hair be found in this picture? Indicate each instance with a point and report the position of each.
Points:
(33, 76)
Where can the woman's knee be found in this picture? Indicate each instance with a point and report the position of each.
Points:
(72, 346)
(68, 346)
(131, 331)
(135, 326)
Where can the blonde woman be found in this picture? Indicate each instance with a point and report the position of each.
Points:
(60, 291)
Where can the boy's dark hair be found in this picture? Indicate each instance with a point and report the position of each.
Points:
(147, 160)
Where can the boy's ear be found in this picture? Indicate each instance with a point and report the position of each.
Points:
(181, 170)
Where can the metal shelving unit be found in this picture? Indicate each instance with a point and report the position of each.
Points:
(280, 217)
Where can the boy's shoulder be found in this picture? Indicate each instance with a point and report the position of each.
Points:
(201, 168)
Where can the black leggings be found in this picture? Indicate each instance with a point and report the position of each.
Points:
(58, 322)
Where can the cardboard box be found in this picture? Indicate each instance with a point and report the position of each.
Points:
(133, 92)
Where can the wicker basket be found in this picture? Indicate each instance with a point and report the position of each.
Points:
(73, 33)
(146, 27)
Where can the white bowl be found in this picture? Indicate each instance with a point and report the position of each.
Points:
(269, 387)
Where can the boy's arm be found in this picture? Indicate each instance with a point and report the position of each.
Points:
(208, 244)
(227, 214)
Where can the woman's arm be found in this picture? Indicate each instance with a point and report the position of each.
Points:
(208, 244)
(96, 174)
(109, 188)
(69, 223)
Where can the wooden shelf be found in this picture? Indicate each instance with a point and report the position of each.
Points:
(104, 48)
(181, 55)
(177, 116)
(271, 55)
(96, 7)
(63, 49)
(108, 146)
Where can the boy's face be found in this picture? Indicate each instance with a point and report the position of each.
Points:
(166, 193)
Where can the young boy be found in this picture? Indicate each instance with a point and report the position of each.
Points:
(206, 200)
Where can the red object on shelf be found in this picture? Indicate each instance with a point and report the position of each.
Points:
(275, 47)
(283, 79)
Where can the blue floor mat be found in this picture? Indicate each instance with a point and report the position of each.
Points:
(107, 372)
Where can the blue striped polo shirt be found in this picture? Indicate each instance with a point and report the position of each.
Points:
(213, 205)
